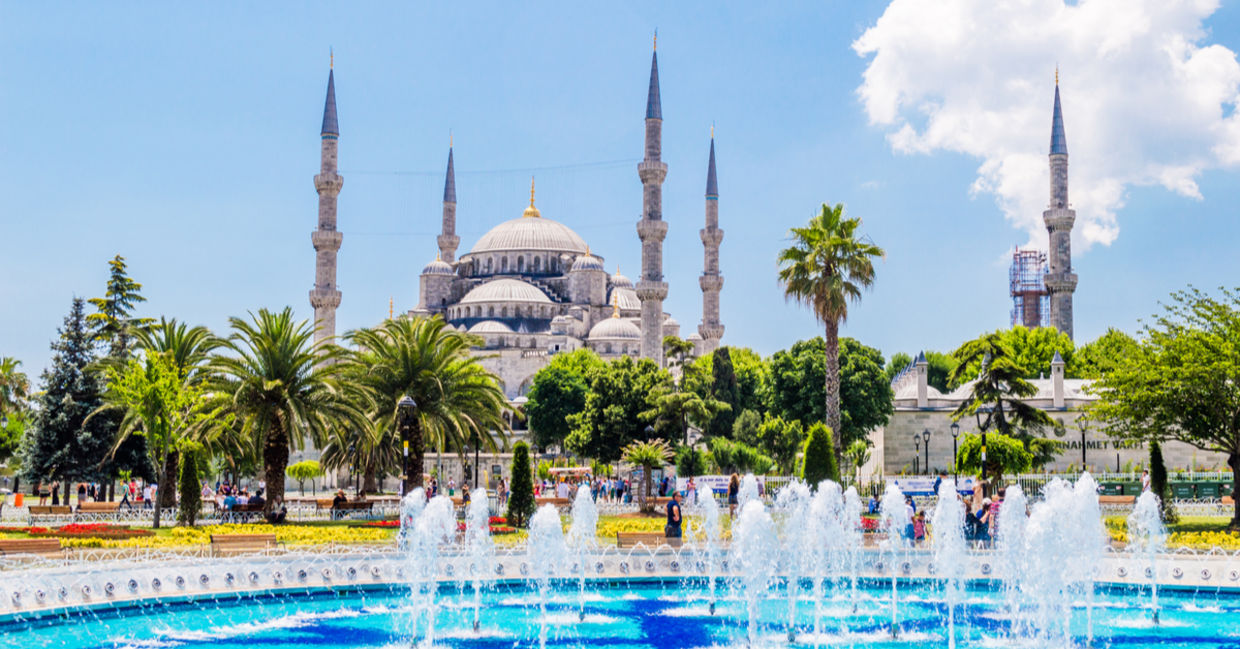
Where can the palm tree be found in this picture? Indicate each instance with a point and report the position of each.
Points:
(279, 389)
(673, 411)
(14, 387)
(826, 267)
(649, 456)
(459, 402)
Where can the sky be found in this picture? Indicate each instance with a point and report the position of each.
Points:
(185, 137)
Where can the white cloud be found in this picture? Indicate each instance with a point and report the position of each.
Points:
(1147, 99)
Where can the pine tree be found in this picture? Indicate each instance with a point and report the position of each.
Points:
(521, 492)
(62, 443)
(725, 388)
(1158, 482)
(113, 321)
(819, 461)
(187, 484)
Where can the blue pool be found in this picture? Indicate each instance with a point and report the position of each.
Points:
(654, 613)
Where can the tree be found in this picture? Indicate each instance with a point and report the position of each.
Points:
(819, 461)
(1095, 359)
(1004, 455)
(857, 454)
(1158, 483)
(63, 442)
(827, 267)
(649, 455)
(1182, 382)
(1000, 391)
(752, 372)
(113, 321)
(1030, 352)
(14, 406)
(281, 388)
(674, 411)
(621, 394)
(797, 376)
(459, 402)
(781, 440)
(677, 351)
(521, 503)
(898, 362)
(554, 394)
(303, 471)
(745, 428)
(724, 389)
(190, 453)
(690, 462)
(728, 456)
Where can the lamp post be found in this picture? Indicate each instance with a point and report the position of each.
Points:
(917, 454)
(981, 426)
(406, 412)
(925, 438)
(475, 467)
(1080, 423)
(955, 434)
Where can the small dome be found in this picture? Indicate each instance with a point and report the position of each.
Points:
(490, 327)
(505, 290)
(620, 281)
(693, 337)
(587, 262)
(625, 298)
(438, 267)
(615, 328)
(670, 322)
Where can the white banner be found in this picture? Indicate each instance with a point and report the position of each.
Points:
(716, 483)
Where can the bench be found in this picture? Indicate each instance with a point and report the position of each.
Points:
(340, 510)
(238, 513)
(49, 512)
(1116, 500)
(649, 539)
(558, 502)
(49, 548)
(97, 510)
(237, 543)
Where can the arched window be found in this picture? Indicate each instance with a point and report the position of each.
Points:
(503, 312)
(488, 265)
(490, 311)
(521, 263)
(538, 264)
(554, 264)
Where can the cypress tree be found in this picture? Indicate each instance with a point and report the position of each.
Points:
(723, 388)
(1158, 482)
(521, 504)
(819, 461)
(187, 484)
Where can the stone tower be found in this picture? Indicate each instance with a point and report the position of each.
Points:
(325, 297)
(448, 241)
(1060, 280)
(711, 281)
(651, 289)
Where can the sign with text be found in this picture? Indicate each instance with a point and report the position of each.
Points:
(716, 483)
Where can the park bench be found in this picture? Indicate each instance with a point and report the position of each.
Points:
(342, 509)
(49, 512)
(558, 502)
(95, 511)
(239, 543)
(1116, 500)
(649, 539)
(48, 548)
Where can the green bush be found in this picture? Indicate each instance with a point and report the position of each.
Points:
(690, 462)
(521, 503)
(819, 461)
(187, 484)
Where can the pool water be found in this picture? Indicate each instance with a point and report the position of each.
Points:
(668, 615)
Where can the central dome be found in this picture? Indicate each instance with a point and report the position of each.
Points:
(536, 234)
(505, 290)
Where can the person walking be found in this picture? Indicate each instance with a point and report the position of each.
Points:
(672, 529)
(1145, 481)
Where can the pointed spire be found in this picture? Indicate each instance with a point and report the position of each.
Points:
(449, 181)
(1059, 141)
(712, 183)
(531, 212)
(330, 127)
(615, 304)
(654, 108)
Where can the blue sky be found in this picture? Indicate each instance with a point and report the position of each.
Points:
(185, 138)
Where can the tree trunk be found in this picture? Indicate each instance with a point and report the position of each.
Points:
(275, 461)
(369, 484)
(68, 486)
(413, 462)
(166, 496)
(1233, 460)
(648, 479)
(833, 388)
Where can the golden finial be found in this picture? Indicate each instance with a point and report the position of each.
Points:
(1056, 74)
(391, 308)
(331, 59)
(656, 40)
(712, 130)
(587, 250)
(531, 191)
(449, 138)
(531, 211)
(437, 257)
(615, 304)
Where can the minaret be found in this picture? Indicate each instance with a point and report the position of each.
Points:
(651, 289)
(711, 281)
(325, 297)
(448, 241)
(1060, 280)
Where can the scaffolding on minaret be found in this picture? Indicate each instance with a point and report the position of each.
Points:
(1027, 282)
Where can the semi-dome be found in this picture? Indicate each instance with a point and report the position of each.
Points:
(694, 337)
(587, 262)
(490, 327)
(625, 298)
(536, 234)
(620, 281)
(506, 290)
(615, 328)
(438, 267)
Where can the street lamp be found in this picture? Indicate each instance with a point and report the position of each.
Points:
(917, 454)
(925, 438)
(955, 434)
(406, 411)
(1080, 423)
(649, 432)
(981, 426)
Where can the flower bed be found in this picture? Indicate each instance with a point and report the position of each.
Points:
(82, 531)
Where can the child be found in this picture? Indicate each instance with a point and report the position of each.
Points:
(919, 527)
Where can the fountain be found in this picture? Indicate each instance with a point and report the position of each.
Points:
(546, 550)
(1148, 536)
(798, 544)
(895, 522)
(478, 545)
(433, 527)
(582, 537)
(1010, 538)
(709, 534)
(748, 491)
(753, 559)
(950, 551)
(853, 537)
(826, 531)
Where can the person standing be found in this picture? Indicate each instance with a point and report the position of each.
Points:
(1145, 481)
(734, 491)
(672, 529)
